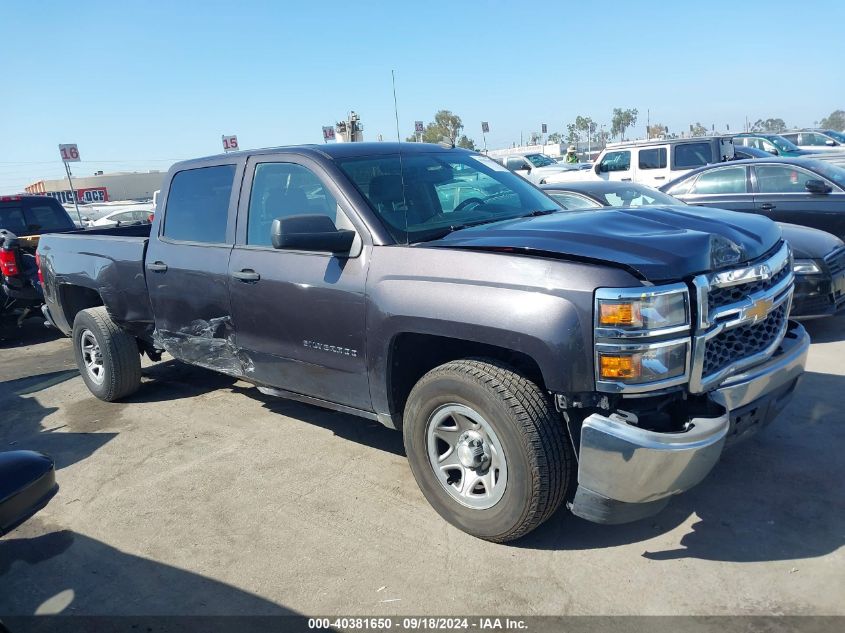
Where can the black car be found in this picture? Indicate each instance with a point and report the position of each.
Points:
(741, 152)
(22, 220)
(803, 191)
(819, 265)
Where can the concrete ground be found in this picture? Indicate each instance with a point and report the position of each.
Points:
(201, 496)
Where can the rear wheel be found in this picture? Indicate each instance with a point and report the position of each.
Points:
(487, 448)
(107, 357)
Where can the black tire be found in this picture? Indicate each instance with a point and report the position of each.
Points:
(121, 360)
(540, 461)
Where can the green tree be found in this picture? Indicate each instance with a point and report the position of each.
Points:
(769, 126)
(555, 137)
(836, 121)
(622, 120)
(446, 128)
(586, 125)
(656, 130)
(572, 134)
(697, 130)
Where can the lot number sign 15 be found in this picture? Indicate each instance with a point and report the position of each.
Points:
(69, 153)
(230, 144)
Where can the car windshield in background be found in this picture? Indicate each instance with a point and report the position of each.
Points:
(830, 171)
(540, 160)
(785, 145)
(421, 197)
(839, 136)
(635, 196)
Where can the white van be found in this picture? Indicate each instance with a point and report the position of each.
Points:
(654, 162)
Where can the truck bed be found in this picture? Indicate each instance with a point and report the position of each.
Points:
(105, 261)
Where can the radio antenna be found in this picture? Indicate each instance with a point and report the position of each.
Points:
(399, 142)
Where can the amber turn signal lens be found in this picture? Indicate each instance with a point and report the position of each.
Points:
(620, 366)
(616, 313)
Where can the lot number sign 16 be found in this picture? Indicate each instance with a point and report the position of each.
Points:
(230, 144)
(70, 153)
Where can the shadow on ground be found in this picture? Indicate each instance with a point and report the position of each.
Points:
(31, 332)
(79, 575)
(775, 496)
(826, 330)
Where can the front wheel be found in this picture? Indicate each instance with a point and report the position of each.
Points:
(487, 448)
(107, 357)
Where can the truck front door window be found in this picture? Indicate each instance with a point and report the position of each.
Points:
(198, 205)
(616, 161)
(283, 189)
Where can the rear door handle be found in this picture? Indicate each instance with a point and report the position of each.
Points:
(626, 180)
(247, 274)
(660, 177)
(158, 267)
(768, 206)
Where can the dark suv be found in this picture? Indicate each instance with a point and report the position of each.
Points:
(22, 220)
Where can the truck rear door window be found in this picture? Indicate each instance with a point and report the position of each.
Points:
(198, 204)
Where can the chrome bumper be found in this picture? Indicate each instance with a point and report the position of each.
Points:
(621, 465)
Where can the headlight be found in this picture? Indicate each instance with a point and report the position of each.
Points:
(805, 267)
(647, 364)
(642, 309)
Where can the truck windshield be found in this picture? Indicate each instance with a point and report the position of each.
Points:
(421, 196)
(24, 217)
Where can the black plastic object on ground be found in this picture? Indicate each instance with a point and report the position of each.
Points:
(27, 483)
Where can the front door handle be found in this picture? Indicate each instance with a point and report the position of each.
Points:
(767, 206)
(626, 180)
(247, 274)
(157, 267)
(660, 177)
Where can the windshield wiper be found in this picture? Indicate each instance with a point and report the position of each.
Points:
(539, 212)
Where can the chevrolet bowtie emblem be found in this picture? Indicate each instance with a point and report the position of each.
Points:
(759, 309)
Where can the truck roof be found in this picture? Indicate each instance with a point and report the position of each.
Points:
(335, 150)
(663, 141)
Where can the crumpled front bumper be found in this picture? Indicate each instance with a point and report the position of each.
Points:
(626, 473)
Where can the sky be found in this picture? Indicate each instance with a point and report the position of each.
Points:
(138, 85)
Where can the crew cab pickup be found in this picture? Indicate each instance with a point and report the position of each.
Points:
(530, 357)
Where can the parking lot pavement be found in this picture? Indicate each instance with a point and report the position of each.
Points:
(201, 496)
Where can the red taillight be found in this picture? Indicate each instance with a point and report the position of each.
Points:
(8, 263)
(38, 266)
(9, 198)
(152, 215)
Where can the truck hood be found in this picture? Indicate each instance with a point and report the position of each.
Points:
(658, 243)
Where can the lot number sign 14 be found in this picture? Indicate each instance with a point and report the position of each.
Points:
(69, 153)
(230, 144)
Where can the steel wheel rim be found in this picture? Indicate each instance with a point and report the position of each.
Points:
(92, 358)
(475, 475)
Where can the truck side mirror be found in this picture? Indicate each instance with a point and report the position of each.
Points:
(311, 232)
(817, 186)
(27, 483)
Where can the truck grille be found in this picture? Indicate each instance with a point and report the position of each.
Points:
(718, 297)
(734, 331)
(836, 261)
(743, 341)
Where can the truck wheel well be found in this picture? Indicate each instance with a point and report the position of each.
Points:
(75, 299)
(413, 355)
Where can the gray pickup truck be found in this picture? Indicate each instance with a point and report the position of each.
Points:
(531, 357)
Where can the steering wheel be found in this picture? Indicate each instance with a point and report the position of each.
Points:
(467, 202)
